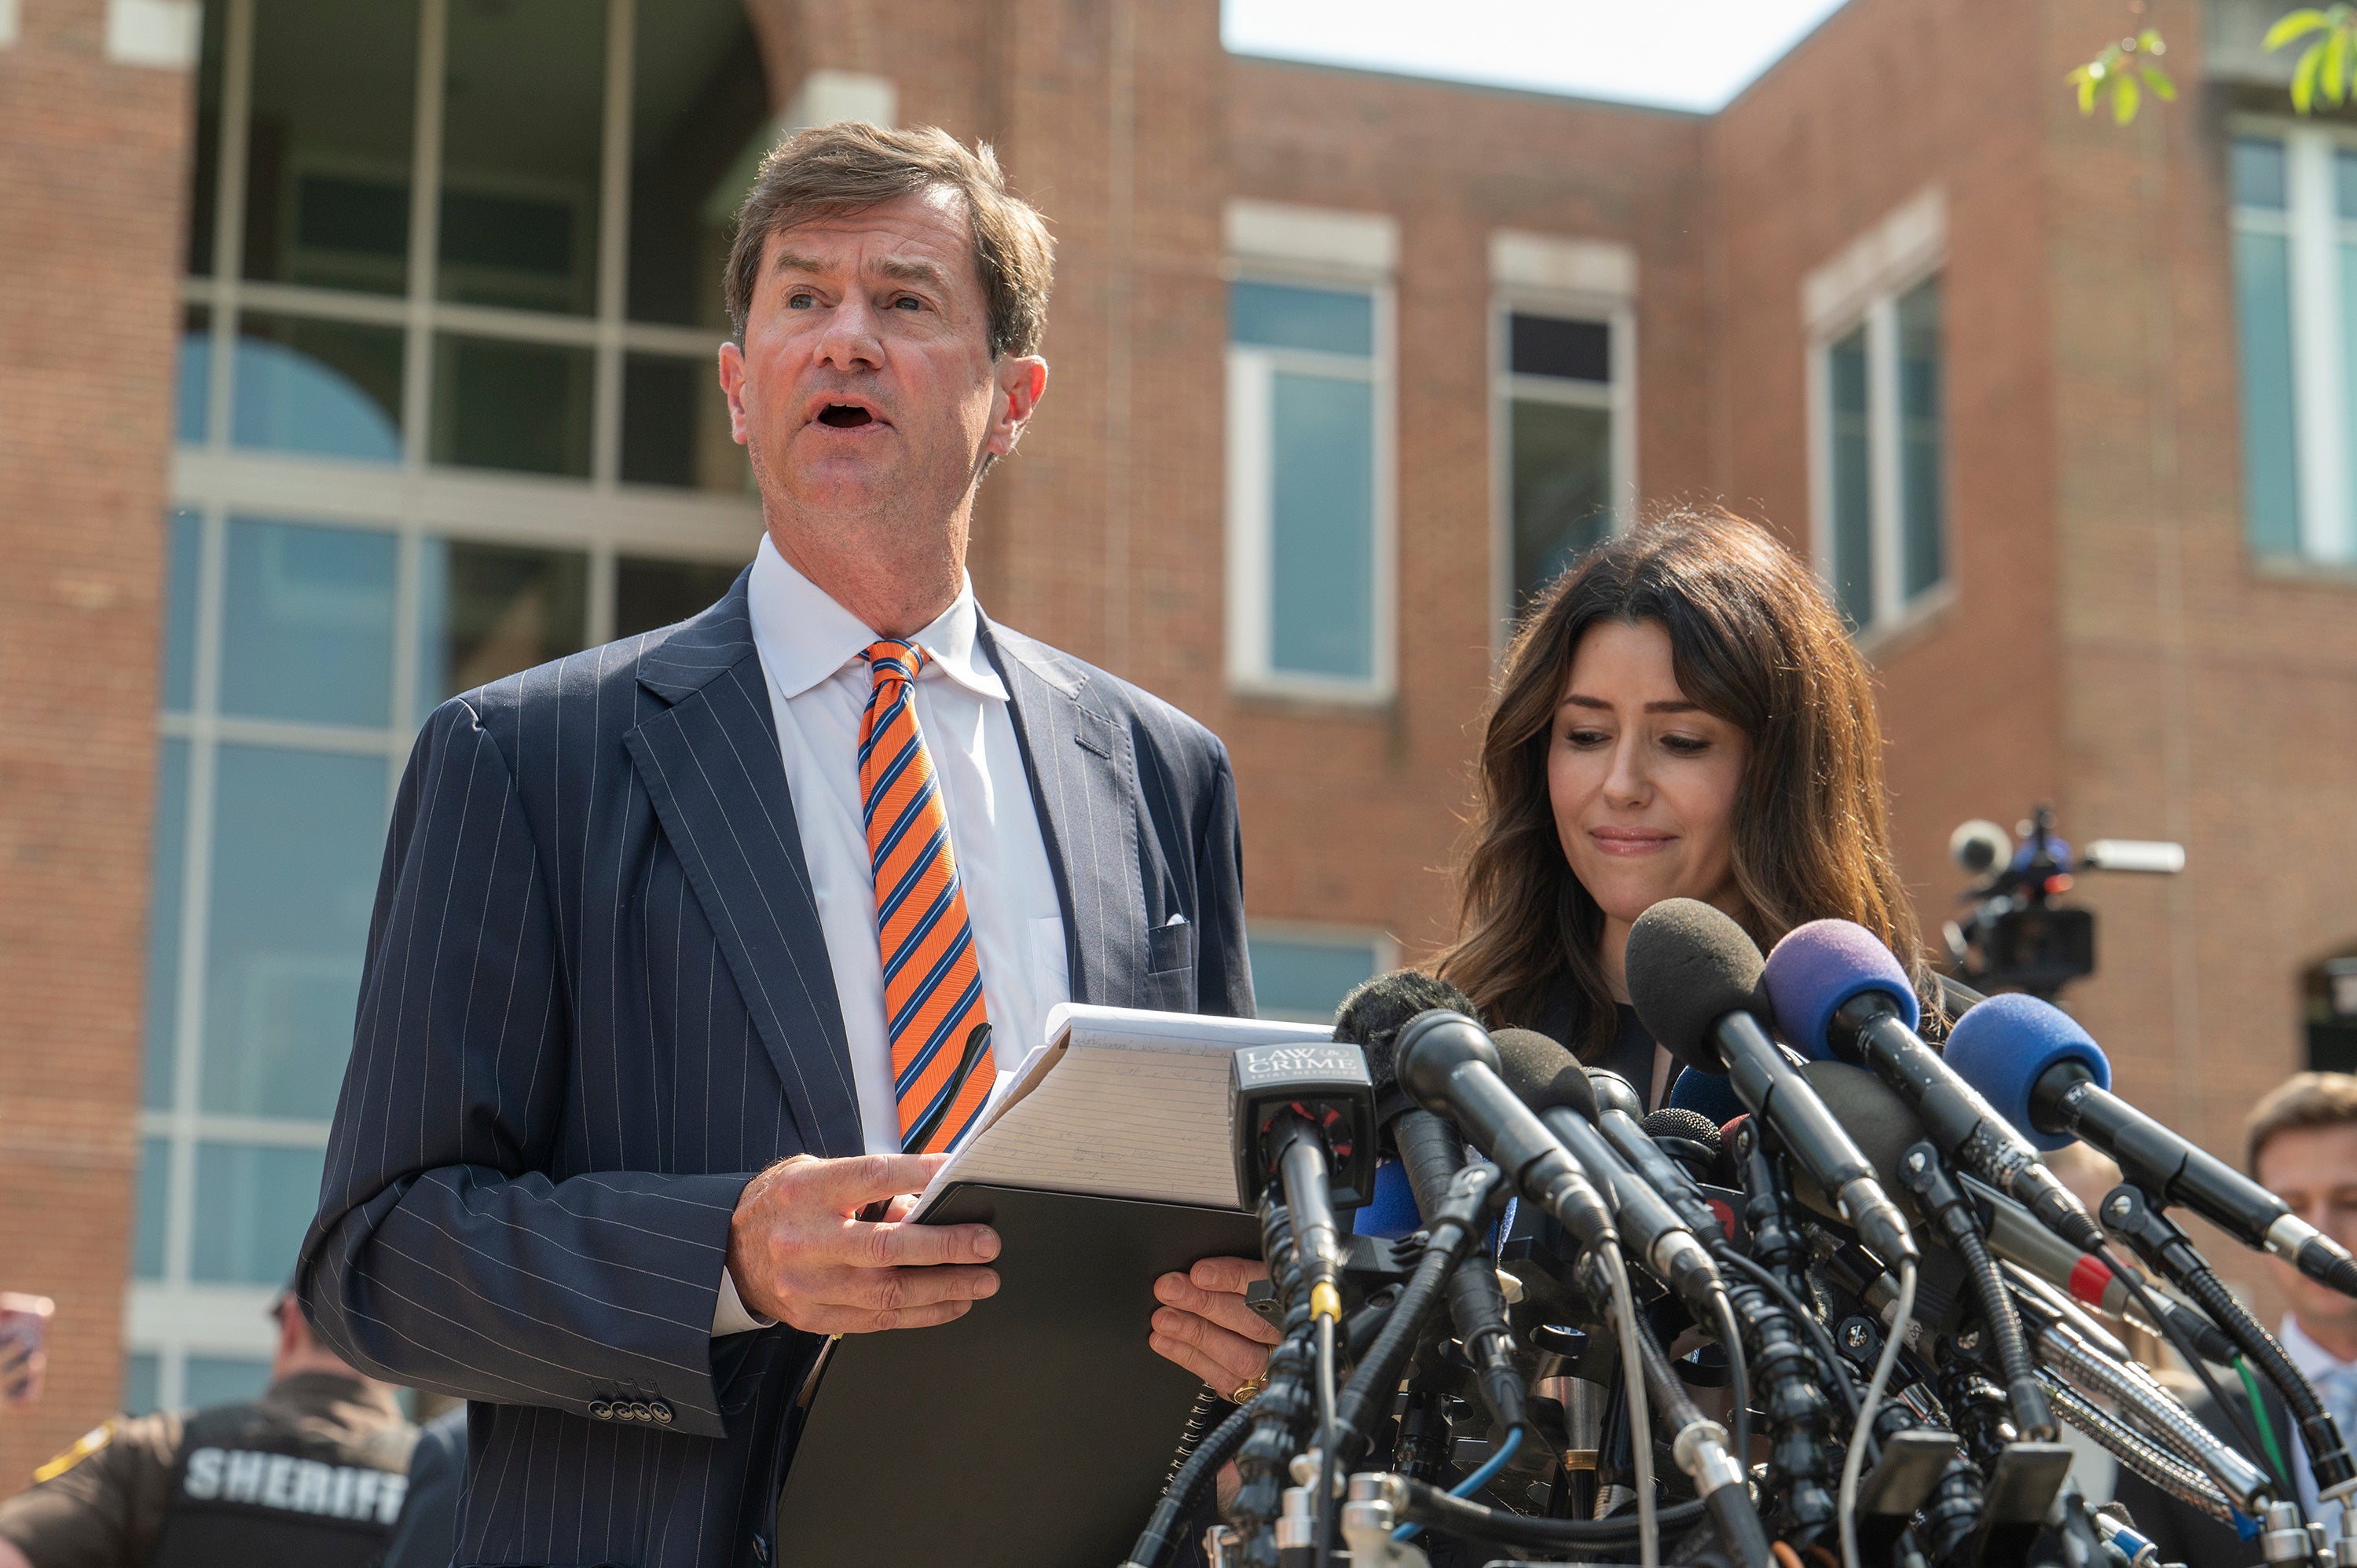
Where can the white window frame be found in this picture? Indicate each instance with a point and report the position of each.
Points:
(1862, 286)
(1318, 933)
(1314, 247)
(174, 1317)
(1567, 280)
(2326, 478)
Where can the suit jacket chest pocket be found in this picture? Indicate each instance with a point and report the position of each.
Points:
(1169, 968)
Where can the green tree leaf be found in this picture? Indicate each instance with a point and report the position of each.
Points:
(2292, 25)
(2334, 77)
(2303, 79)
(2124, 98)
(2085, 82)
(2157, 80)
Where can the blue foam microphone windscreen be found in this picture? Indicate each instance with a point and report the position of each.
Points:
(1710, 1095)
(1820, 966)
(2004, 1045)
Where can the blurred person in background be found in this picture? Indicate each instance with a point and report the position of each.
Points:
(426, 1535)
(311, 1475)
(2300, 1143)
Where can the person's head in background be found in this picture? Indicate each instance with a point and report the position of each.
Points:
(2300, 1143)
(1680, 715)
(299, 1350)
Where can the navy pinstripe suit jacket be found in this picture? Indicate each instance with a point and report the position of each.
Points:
(597, 1001)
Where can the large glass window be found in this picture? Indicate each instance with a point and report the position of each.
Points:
(1306, 498)
(422, 447)
(2295, 236)
(1557, 401)
(1301, 975)
(1882, 535)
(518, 285)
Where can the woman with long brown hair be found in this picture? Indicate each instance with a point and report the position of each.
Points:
(1681, 715)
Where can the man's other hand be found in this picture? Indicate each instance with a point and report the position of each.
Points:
(1205, 1327)
(800, 1253)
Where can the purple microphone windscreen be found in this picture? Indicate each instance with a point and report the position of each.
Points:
(2005, 1044)
(1820, 966)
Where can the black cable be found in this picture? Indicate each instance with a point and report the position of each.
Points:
(1837, 1373)
(2320, 1434)
(1924, 1173)
(1427, 1505)
(2246, 1432)
(1184, 1494)
(1739, 1370)
(1454, 1227)
(1729, 1504)
(1285, 1406)
(1327, 1432)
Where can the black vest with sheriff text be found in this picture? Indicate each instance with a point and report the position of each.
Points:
(282, 1483)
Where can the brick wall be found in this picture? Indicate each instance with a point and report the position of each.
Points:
(92, 181)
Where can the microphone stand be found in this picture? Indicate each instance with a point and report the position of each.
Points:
(1283, 1412)
(2129, 1212)
(1801, 1462)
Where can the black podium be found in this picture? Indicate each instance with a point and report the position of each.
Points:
(1036, 1431)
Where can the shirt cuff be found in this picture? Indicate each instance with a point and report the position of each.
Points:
(729, 1313)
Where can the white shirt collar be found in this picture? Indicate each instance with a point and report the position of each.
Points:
(2312, 1359)
(804, 636)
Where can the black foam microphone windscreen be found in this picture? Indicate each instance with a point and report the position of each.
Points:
(1371, 1016)
(1543, 1073)
(1689, 965)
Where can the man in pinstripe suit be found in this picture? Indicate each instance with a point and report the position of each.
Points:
(684, 942)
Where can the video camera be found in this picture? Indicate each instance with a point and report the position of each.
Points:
(2016, 937)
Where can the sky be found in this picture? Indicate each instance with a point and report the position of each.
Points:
(1677, 54)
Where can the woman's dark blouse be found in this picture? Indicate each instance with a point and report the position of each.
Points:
(1563, 1018)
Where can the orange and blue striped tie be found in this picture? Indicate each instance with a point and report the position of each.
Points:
(941, 1069)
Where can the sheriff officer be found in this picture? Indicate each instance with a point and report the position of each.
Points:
(311, 1475)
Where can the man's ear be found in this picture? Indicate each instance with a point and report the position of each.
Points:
(732, 385)
(1022, 380)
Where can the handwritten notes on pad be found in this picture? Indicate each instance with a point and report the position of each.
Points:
(1118, 1103)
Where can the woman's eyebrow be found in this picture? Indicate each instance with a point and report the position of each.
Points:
(1680, 705)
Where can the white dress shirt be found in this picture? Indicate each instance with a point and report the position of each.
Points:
(810, 648)
(2336, 1385)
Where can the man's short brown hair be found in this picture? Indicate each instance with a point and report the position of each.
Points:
(850, 166)
(2304, 1100)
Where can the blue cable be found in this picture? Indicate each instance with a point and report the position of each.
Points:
(1476, 1481)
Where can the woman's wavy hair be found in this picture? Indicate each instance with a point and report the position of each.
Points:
(1755, 641)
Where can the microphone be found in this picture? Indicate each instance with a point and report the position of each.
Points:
(1886, 1127)
(1550, 1081)
(1838, 995)
(1448, 1063)
(1371, 1017)
(1303, 1116)
(1432, 1153)
(1694, 975)
(1694, 1142)
(2035, 1063)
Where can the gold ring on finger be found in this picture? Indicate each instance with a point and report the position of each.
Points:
(1248, 1390)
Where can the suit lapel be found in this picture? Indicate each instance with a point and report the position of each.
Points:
(1083, 778)
(710, 764)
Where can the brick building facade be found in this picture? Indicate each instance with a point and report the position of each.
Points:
(277, 284)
